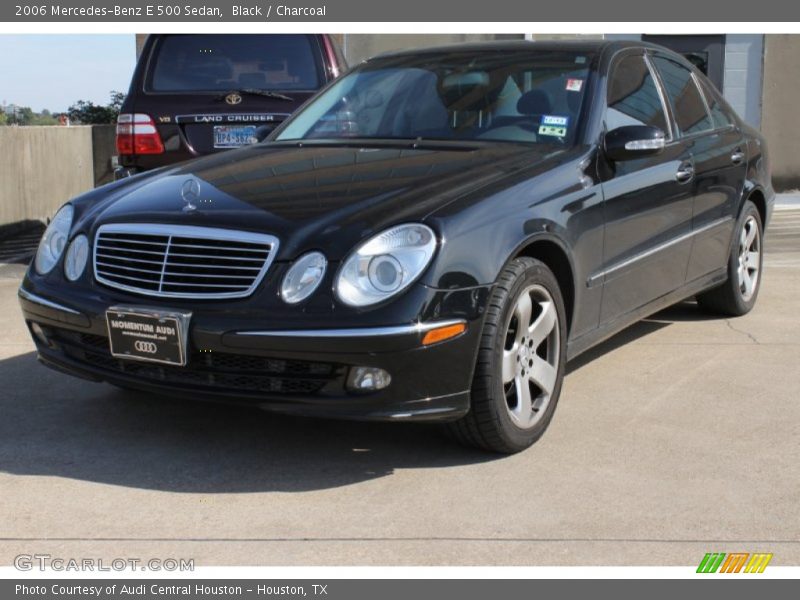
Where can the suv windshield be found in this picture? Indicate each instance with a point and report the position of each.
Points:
(509, 96)
(221, 63)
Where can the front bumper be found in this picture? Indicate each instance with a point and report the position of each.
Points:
(298, 371)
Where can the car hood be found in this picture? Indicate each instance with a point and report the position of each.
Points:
(316, 195)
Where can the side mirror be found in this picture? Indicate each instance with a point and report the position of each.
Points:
(633, 141)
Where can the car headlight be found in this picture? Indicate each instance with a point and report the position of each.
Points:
(303, 277)
(385, 265)
(77, 255)
(54, 240)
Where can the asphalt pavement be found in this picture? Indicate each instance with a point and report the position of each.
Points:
(675, 438)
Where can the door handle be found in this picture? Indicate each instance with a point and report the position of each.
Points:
(685, 173)
(737, 156)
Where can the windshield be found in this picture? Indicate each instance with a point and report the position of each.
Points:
(510, 96)
(221, 63)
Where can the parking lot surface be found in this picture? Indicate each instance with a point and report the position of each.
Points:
(675, 438)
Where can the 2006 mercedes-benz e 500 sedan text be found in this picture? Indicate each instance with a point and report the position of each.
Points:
(430, 238)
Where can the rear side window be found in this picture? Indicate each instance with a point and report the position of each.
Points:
(718, 114)
(633, 97)
(690, 111)
(220, 63)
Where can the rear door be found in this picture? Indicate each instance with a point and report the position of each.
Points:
(208, 93)
(719, 154)
(647, 201)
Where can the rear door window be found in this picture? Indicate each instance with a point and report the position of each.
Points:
(633, 97)
(220, 63)
(691, 114)
(718, 115)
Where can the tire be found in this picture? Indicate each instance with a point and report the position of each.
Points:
(739, 293)
(500, 419)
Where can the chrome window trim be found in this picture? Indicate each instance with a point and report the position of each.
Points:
(212, 233)
(356, 332)
(599, 277)
(705, 92)
(36, 299)
(666, 106)
(705, 101)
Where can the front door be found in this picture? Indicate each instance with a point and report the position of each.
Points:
(647, 202)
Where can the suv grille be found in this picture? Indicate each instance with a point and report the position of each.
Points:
(177, 261)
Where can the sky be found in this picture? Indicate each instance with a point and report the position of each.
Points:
(53, 71)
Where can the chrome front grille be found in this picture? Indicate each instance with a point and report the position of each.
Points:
(178, 261)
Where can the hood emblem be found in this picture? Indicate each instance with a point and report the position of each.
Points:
(233, 98)
(190, 192)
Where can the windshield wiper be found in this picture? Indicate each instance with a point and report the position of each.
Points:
(255, 92)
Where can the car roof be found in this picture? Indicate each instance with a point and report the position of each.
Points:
(588, 46)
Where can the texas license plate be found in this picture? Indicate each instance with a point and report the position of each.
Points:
(148, 334)
(226, 136)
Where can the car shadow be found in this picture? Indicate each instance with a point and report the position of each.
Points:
(59, 426)
(686, 311)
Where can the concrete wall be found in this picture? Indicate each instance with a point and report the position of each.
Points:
(140, 40)
(43, 167)
(779, 121)
(104, 146)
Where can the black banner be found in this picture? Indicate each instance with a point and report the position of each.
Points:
(385, 589)
(464, 11)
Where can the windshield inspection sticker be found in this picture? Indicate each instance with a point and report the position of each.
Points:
(554, 125)
(574, 85)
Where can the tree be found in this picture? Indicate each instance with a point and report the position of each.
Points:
(3, 117)
(89, 113)
(117, 98)
(21, 115)
(44, 118)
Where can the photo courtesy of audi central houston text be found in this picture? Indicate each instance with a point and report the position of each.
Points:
(428, 235)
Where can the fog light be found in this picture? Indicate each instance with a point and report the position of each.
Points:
(39, 334)
(368, 379)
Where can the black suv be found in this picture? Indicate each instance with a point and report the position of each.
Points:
(192, 95)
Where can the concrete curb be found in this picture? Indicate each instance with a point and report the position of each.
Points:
(790, 200)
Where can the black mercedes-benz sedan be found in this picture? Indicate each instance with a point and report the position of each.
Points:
(430, 238)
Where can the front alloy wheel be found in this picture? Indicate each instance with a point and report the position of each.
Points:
(520, 363)
(531, 356)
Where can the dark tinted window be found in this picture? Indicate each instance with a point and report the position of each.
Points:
(197, 63)
(687, 103)
(718, 114)
(633, 97)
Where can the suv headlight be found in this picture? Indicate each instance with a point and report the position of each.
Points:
(385, 265)
(54, 240)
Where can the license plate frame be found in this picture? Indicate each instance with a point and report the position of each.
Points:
(154, 335)
(233, 136)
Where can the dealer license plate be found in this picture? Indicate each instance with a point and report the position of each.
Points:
(148, 334)
(226, 136)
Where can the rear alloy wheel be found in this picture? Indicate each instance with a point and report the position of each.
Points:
(738, 294)
(520, 363)
(749, 258)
